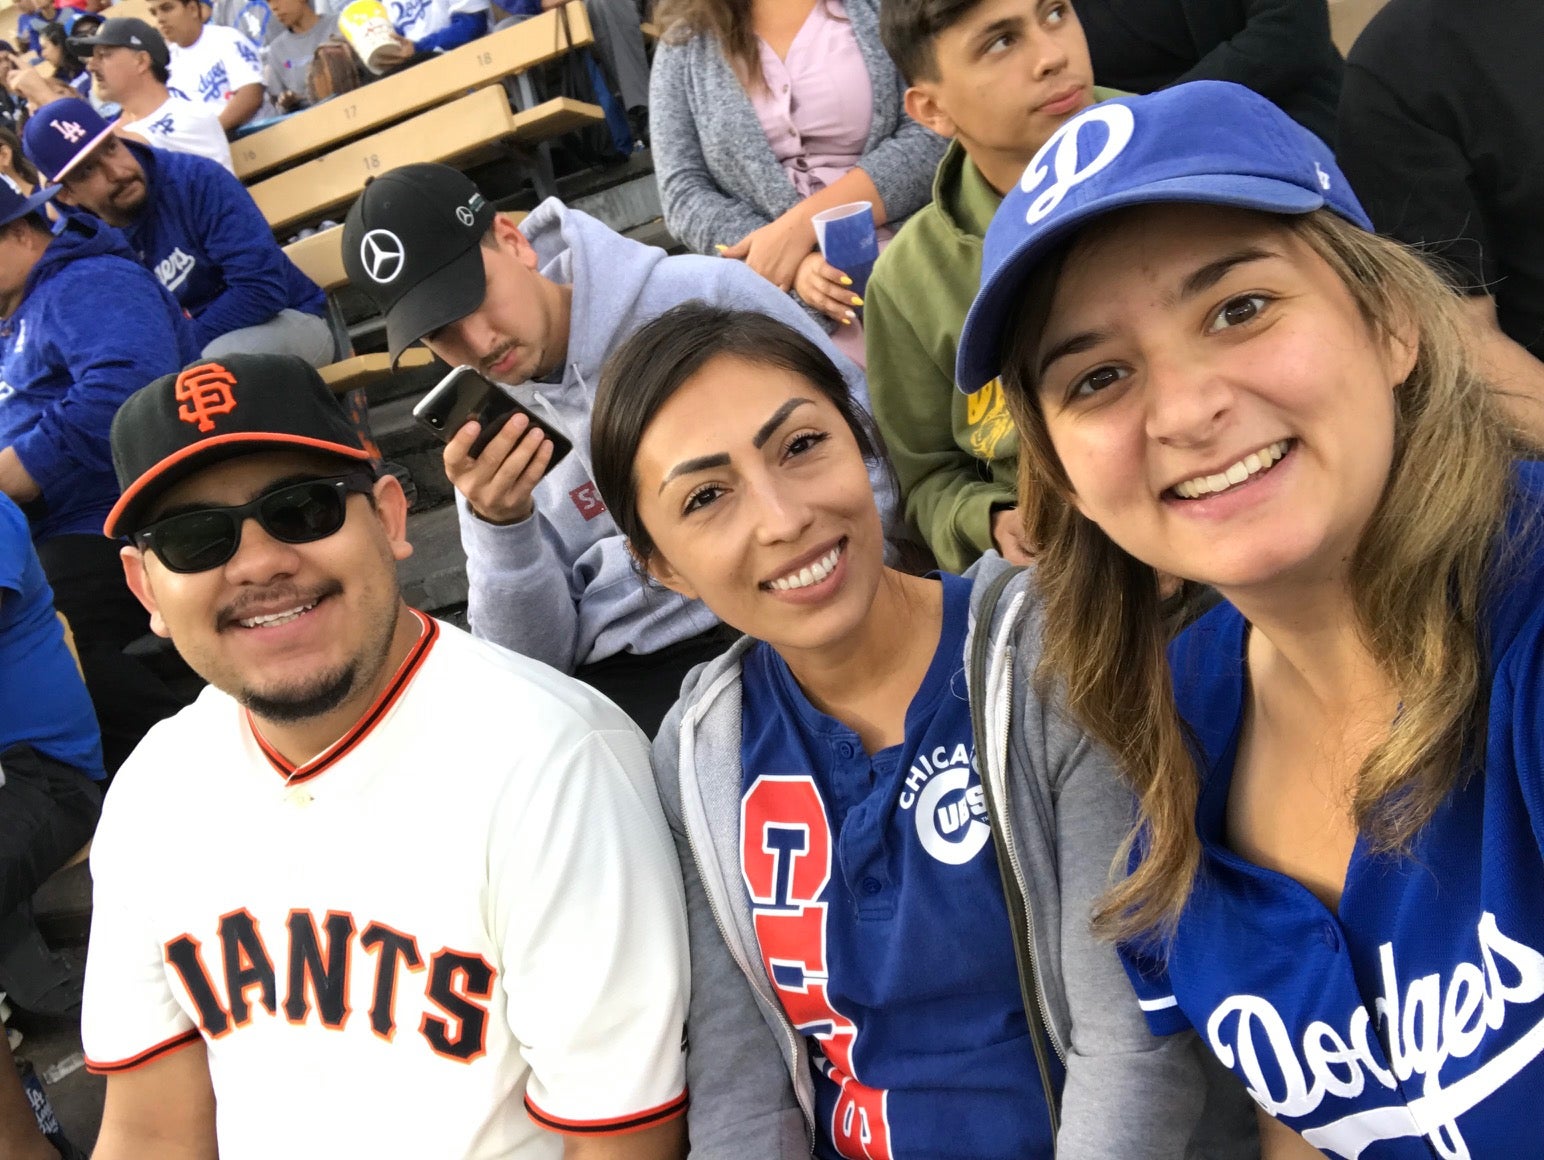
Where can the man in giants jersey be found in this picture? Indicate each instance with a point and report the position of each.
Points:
(382, 884)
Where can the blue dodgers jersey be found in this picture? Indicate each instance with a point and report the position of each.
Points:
(1411, 1023)
(43, 702)
(881, 920)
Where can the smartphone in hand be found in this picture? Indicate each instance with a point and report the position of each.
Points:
(465, 394)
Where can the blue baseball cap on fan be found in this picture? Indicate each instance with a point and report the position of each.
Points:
(1207, 142)
(15, 204)
(60, 134)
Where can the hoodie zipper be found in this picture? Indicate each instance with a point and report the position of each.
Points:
(1040, 1025)
(795, 1040)
(1018, 869)
(1021, 919)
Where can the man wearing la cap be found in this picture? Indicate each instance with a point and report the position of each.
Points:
(431, 881)
(128, 61)
(194, 226)
(63, 376)
(538, 308)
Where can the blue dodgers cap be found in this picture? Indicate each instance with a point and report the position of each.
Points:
(60, 134)
(14, 205)
(1210, 142)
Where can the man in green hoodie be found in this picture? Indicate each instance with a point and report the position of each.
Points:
(999, 77)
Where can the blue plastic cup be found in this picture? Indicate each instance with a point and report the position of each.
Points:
(848, 240)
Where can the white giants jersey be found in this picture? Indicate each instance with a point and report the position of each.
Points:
(458, 927)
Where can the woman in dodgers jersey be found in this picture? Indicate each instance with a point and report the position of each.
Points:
(855, 991)
(1221, 374)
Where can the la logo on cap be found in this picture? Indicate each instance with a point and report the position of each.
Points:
(71, 131)
(205, 391)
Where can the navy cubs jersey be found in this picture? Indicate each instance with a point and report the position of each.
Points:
(1410, 1023)
(881, 921)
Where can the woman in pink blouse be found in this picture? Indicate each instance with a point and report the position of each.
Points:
(762, 113)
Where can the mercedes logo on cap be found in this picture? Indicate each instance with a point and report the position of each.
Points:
(381, 254)
(464, 215)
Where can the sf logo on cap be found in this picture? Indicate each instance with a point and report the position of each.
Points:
(381, 254)
(204, 391)
(1062, 149)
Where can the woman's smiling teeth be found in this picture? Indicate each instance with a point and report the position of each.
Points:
(273, 619)
(1246, 468)
(812, 574)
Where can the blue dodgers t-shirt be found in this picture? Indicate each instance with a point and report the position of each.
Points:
(1410, 1024)
(42, 700)
(881, 919)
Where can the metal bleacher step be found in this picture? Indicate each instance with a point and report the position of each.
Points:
(62, 906)
(433, 578)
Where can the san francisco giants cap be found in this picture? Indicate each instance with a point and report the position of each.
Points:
(1207, 142)
(216, 410)
(411, 243)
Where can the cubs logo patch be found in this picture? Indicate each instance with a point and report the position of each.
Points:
(948, 805)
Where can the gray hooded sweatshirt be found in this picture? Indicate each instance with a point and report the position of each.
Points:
(560, 585)
(1059, 812)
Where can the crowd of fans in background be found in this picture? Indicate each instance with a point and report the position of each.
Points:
(129, 249)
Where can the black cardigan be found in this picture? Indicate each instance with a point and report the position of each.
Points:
(1280, 48)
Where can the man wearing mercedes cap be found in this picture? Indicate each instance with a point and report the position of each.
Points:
(537, 307)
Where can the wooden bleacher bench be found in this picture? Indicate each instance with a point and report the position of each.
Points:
(463, 132)
(486, 61)
(320, 258)
(362, 371)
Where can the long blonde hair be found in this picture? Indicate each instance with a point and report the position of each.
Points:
(1418, 580)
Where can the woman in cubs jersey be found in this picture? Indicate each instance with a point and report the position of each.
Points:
(1222, 375)
(892, 954)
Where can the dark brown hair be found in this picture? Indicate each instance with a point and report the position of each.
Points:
(728, 22)
(24, 168)
(70, 66)
(908, 29)
(660, 358)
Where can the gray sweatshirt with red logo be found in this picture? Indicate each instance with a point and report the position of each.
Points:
(560, 586)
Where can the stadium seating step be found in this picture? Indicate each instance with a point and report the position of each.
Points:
(433, 578)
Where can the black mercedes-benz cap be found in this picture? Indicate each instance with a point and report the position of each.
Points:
(216, 410)
(124, 32)
(411, 243)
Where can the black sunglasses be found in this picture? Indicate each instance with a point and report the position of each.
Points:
(297, 513)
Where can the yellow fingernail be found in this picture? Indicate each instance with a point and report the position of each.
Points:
(846, 322)
(720, 249)
(846, 281)
(856, 301)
